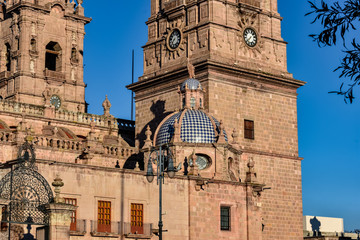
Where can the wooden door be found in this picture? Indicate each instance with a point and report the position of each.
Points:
(137, 215)
(104, 216)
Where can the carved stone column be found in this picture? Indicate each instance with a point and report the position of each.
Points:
(59, 214)
(60, 220)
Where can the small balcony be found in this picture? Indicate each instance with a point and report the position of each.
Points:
(78, 228)
(105, 229)
(138, 232)
(54, 74)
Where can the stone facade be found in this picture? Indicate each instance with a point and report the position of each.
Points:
(31, 32)
(241, 83)
(258, 180)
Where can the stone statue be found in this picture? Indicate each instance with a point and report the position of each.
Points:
(106, 105)
(191, 69)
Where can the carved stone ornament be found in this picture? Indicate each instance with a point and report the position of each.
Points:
(175, 39)
(249, 21)
(48, 92)
(106, 105)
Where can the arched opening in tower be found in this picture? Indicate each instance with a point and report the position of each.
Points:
(8, 57)
(53, 56)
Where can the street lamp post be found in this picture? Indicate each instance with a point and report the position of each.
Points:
(164, 163)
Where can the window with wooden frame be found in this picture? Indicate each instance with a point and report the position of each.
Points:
(73, 202)
(225, 218)
(104, 216)
(137, 218)
(249, 130)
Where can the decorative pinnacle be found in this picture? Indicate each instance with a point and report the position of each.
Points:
(58, 184)
(148, 133)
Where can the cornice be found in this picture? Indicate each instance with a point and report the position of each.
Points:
(271, 154)
(210, 64)
(46, 10)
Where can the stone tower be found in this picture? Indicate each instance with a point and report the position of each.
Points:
(240, 59)
(42, 53)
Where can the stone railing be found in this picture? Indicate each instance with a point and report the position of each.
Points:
(16, 107)
(118, 151)
(54, 74)
(79, 117)
(7, 137)
(58, 143)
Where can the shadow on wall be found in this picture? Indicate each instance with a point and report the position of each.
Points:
(158, 109)
(315, 226)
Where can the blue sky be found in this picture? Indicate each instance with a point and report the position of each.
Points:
(329, 129)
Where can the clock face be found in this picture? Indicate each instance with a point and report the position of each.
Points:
(250, 37)
(55, 101)
(174, 39)
(202, 162)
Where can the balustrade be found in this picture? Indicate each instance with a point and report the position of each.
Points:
(6, 137)
(17, 107)
(58, 143)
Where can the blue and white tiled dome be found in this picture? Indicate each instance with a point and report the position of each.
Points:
(196, 127)
(192, 84)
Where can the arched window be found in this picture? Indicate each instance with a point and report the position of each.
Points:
(200, 102)
(53, 56)
(33, 45)
(183, 102)
(8, 57)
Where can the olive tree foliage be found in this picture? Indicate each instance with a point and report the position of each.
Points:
(337, 20)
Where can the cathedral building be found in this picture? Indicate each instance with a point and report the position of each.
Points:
(215, 98)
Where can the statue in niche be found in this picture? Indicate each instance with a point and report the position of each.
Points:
(32, 66)
(72, 74)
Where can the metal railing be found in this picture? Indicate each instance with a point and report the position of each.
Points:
(79, 227)
(113, 228)
(145, 229)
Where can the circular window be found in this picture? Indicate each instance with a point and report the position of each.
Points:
(202, 161)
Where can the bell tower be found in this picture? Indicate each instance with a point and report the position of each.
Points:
(240, 59)
(42, 53)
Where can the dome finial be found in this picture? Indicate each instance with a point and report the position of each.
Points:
(191, 69)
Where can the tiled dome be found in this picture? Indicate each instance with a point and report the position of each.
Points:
(192, 84)
(196, 127)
